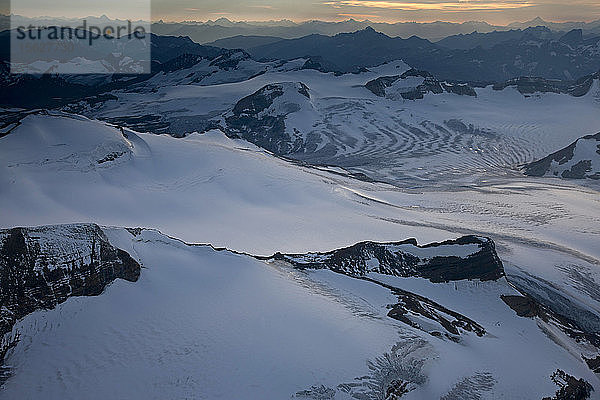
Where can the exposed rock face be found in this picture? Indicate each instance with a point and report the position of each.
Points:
(583, 85)
(260, 117)
(42, 267)
(378, 86)
(527, 85)
(579, 160)
(414, 84)
(571, 388)
(589, 340)
(412, 309)
(321, 65)
(468, 257)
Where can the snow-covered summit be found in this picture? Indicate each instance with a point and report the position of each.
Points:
(579, 160)
(278, 117)
(469, 257)
(414, 84)
(67, 142)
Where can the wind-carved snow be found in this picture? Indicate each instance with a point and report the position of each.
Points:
(440, 137)
(74, 150)
(211, 189)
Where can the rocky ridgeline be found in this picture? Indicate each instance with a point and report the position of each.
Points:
(469, 257)
(527, 85)
(260, 117)
(42, 267)
(579, 160)
(414, 84)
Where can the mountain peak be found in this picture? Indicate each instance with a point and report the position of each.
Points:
(573, 37)
(538, 20)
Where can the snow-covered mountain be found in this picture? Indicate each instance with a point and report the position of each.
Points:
(42, 267)
(414, 84)
(278, 117)
(57, 84)
(188, 328)
(579, 160)
(443, 272)
(448, 133)
(229, 66)
(299, 285)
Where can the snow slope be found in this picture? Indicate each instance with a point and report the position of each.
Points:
(440, 137)
(202, 188)
(197, 324)
(201, 323)
(211, 189)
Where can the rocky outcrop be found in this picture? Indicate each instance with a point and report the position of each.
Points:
(469, 257)
(527, 85)
(588, 340)
(261, 117)
(378, 85)
(579, 160)
(321, 65)
(415, 84)
(42, 267)
(412, 309)
(570, 388)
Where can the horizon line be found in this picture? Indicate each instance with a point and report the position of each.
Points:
(300, 22)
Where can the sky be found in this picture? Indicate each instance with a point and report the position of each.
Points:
(492, 11)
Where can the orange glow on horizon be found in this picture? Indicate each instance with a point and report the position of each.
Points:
(445, 6)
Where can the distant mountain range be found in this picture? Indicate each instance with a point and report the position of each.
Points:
(204, 32)
(560, 62)
(50, 89)
(472, 51)
(531, 52)
(210, 31)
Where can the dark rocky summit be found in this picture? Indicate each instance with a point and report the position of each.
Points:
(570, 388)
(527, 85)
(42, 267)
(469, 257)
(579, 160)
(429, 84)
(257, 119)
